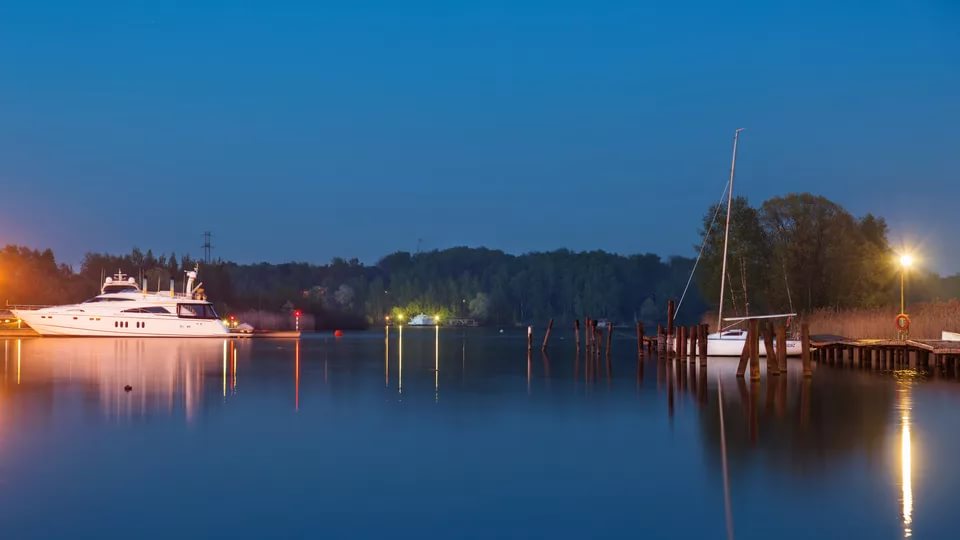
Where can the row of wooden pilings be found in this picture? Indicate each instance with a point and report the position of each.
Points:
(885, 355)
(690, 343)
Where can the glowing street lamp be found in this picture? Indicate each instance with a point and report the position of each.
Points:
(903, 320)
(906, 261)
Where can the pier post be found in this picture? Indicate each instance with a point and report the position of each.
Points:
(772, 353)
(529, 338)
(745, 353)
(681, 344)
(702, 349)
(546, 336)
(576, 334)
(805, 349)
(692, 350)
(661, 339)
(782, 346)
(639, 338)
(755, 350)
(671, 309)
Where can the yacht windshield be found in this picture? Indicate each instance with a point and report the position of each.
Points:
(102, 299)
(112, 289)
(196, 311)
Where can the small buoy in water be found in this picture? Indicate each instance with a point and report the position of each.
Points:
(127, 388)
(338, 333)
(501, 330)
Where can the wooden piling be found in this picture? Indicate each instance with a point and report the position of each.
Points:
(692, 349)
(546, 336)
(529, 338)
(755, 350)
(772, 355)
(576, 335)
(702, 347)
(782, 347)
(682, 344)
(671, 309)
(661, 339)
(805, 349)
(745, 354)
(639, 338)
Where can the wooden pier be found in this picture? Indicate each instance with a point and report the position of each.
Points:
(886, 353)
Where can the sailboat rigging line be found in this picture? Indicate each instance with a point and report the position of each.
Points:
(702, 246)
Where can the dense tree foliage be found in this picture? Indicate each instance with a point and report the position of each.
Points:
(801, 252)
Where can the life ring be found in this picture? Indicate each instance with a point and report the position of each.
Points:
(903, 322)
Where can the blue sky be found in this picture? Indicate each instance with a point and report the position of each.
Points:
(303, 131)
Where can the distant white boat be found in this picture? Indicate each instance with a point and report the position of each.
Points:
(423, 320)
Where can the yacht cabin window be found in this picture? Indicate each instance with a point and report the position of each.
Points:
(196, 311)
(150, 309)
(101, 299)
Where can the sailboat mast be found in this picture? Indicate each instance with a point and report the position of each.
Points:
(726, 232)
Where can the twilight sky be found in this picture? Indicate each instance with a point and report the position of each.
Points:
(307, 130)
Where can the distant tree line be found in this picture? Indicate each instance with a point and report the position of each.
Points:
(799, 252)
(490, 286)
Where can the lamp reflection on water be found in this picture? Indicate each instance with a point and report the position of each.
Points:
(906, 457)
(296, 361)
(436, 365)
(400, 359)
(224, 368)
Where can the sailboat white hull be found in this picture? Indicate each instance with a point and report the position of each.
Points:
(725, 345)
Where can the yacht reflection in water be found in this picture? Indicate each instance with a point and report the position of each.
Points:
(164, 375)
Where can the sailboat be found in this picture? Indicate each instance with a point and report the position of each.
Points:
(730, 340)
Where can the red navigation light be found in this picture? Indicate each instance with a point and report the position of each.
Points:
(296, 313)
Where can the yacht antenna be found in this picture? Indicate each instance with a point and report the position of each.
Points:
(726, 232)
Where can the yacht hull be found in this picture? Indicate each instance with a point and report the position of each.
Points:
(47, 323)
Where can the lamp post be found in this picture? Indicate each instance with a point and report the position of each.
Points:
(906, 261)
(903, 320)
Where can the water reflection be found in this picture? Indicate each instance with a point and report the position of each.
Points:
(163, 374)
(905, 405)
(400, 359)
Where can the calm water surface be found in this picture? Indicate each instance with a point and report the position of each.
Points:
(459, 436)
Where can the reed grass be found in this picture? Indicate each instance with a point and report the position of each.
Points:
(927, 320)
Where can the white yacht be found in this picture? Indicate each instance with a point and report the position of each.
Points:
(124, 309)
